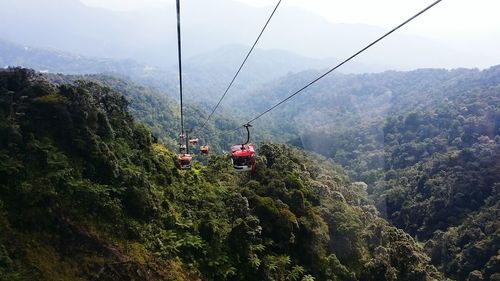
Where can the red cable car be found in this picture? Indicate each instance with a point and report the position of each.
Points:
(184, 161)
(204, 149)
(243, 158)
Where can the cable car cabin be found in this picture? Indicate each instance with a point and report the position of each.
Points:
(183, 148)
(243, 158)
(193, 141)
(184, 161)
(204, 149)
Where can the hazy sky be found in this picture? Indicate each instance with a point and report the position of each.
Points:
(454, 18)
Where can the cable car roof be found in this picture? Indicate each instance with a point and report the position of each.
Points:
(237, 150)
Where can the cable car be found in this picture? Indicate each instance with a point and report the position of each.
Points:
(193, 141)
(243, 158)
(183, 148)
(204, 149)
(184, 161)
(184, 158)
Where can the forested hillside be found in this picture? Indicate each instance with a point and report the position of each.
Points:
(161, 113)
(427, 144)
(442, 180)
(88, 194)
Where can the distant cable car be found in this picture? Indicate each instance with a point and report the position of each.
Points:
(204, 149)
(183, 149)
(243, 156)
(193, 141)
(184, 161)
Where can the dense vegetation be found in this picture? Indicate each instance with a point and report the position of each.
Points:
(87, 193)
(161, 113)
(443, 176)
(427, 144)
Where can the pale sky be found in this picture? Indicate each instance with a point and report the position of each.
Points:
(450, 16)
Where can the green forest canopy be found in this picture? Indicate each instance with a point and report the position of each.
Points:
(87, 192)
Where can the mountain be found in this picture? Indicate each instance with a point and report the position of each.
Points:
(426, 142)
(160, 112)
(148, 36)
(87, 193)
(206, 76)
(339, 101)
(50, 60)
(154, 92)
(53, 61)
(421, 140)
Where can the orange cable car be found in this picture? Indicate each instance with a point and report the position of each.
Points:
(184, 161)
(204, 149)
(243, 156)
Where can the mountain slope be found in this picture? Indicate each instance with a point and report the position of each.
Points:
(206, 75)
(426, 143)
(53, 61)
(340, 101)
(87, 194)
(162, 114)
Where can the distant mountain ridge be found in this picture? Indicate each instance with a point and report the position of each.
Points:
(149, 36)
(206, 75)
(51, 60)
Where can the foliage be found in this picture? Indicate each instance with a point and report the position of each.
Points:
(92, 195)
(161, 113)
(425, 142)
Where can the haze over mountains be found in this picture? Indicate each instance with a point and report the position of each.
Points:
(50, 60)
(208, 73)
(148, 36)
